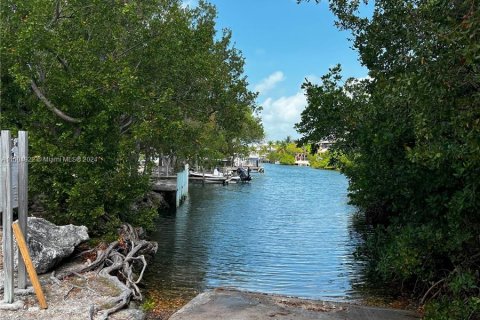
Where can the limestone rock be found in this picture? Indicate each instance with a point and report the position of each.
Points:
(49, 243)
(128, 314)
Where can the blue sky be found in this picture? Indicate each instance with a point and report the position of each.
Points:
(283, 43)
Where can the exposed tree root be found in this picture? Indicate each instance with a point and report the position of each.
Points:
(116, 263)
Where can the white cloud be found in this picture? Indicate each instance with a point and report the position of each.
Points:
(270, 82)
(280, 115)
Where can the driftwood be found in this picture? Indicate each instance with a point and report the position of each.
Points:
(117, 263)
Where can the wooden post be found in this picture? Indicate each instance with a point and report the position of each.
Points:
(6, 206)
(168, 163)
(187, 171)
(177, 193)
(22, 246)
(22, 199)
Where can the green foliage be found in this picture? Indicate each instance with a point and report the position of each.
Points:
(102, 84)
(328, 160)
(321, 161)
(446, 309)
(287, 159)
(412, 134)
(284, 152)
(148, 304)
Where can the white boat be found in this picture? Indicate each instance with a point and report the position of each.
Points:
(206, 175)
(216, 177)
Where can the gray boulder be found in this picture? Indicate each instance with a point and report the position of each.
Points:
(128, 314)
(49, 243)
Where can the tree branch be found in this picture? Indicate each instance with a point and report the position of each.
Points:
(125, 123)
(56, 16)
(64, 63)
(50, 106)
(422, 301)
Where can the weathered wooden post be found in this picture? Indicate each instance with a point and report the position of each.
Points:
(13, 194)
(185, 189)
(7, 217)
(22, 161)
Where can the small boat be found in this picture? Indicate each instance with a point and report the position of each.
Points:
(206, 175)
(216, 177)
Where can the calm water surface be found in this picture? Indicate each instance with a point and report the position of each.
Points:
(287, 232)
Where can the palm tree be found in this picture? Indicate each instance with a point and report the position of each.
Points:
(282, 146)
(270, 145)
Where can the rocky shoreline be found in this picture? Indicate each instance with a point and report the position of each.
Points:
(80, 287)
(72, 298)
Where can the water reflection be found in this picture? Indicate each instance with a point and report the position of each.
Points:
(288, 232)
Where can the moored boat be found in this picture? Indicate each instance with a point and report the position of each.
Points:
(207, 177)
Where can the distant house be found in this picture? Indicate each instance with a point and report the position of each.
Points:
(324, 145)
(253, 160)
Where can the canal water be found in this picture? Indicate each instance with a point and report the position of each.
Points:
(287, 232)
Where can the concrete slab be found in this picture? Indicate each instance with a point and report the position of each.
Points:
(238, 305)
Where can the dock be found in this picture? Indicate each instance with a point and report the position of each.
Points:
(174, 186)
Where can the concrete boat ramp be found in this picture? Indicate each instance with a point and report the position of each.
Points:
(227, 304)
